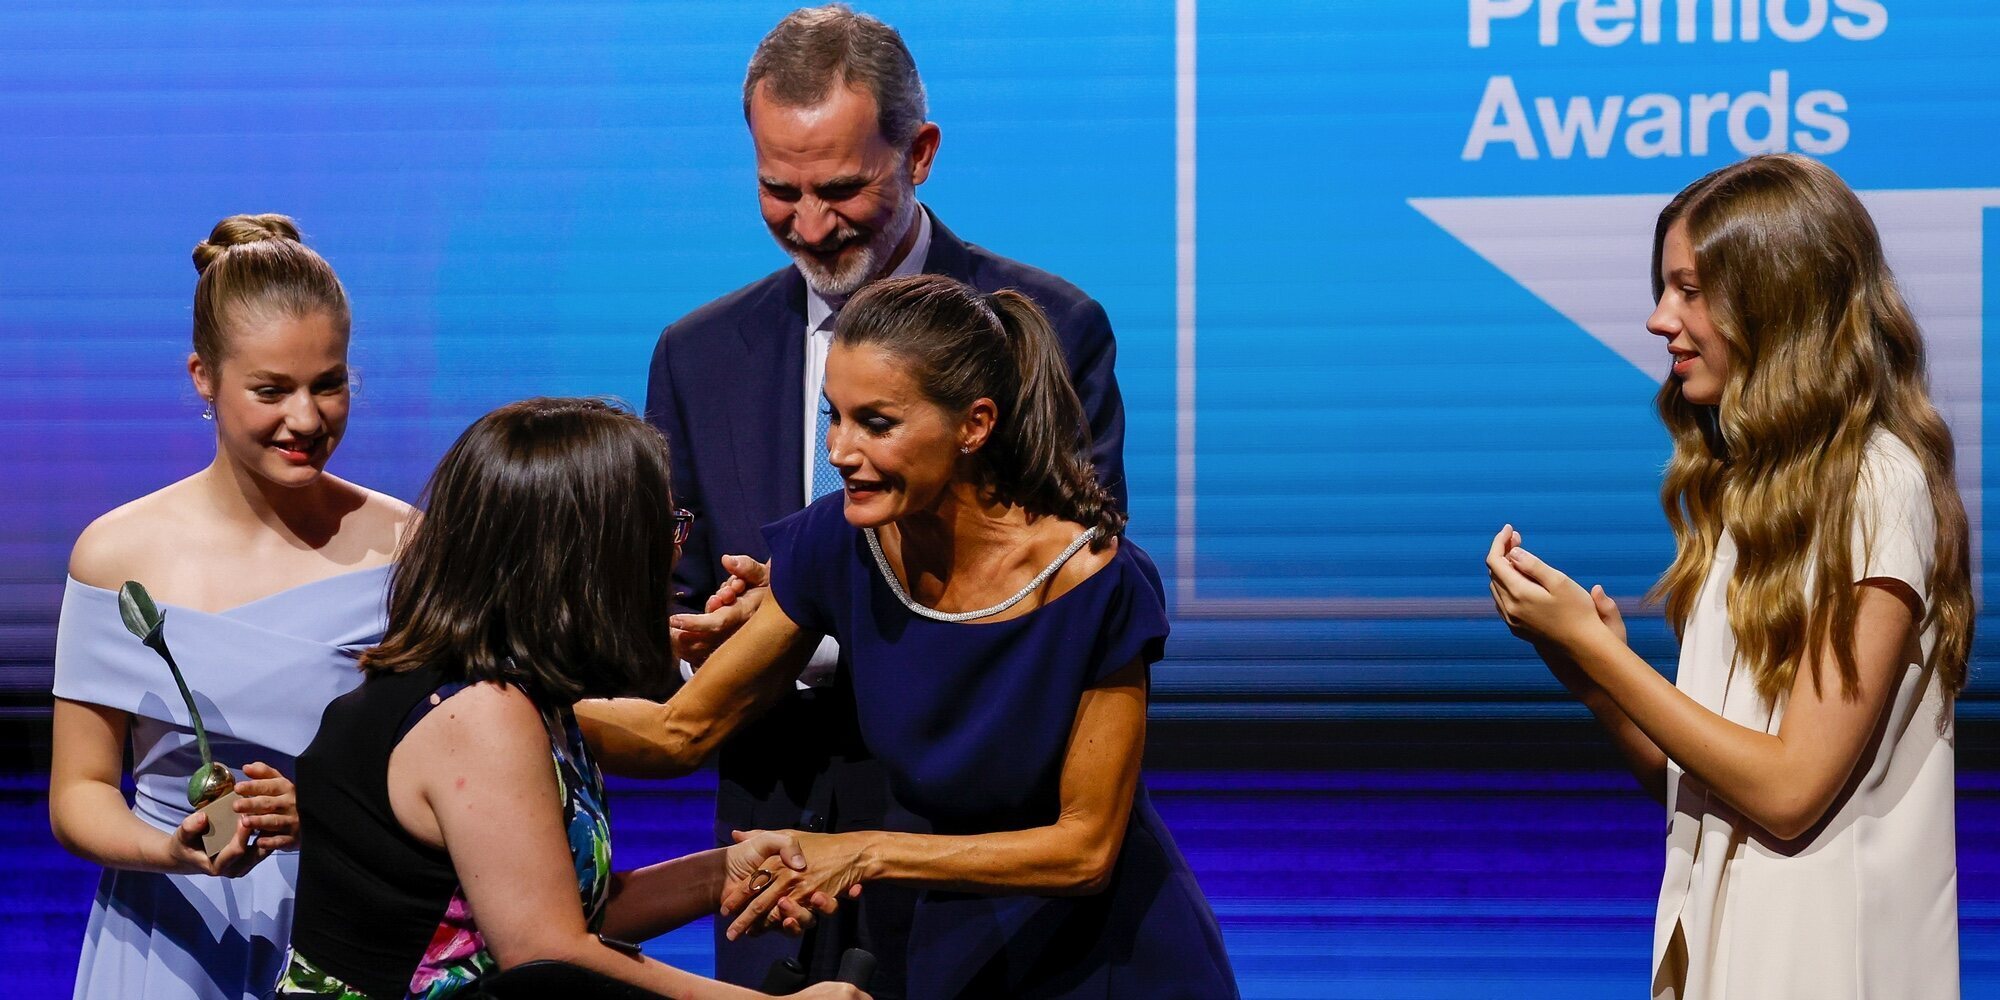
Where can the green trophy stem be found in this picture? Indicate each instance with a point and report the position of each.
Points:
(158, 643)
(144, 619)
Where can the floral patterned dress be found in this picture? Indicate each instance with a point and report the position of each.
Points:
(457, 954)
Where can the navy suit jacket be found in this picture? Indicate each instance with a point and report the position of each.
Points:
(727, 389)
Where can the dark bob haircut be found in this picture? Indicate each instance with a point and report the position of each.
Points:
(544, 558)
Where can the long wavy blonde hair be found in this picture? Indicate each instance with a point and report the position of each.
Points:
(1822, 352)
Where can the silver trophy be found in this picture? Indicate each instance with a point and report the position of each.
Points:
(211, 789)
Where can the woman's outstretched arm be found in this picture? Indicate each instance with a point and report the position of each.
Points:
(637, 738)
(647, 902)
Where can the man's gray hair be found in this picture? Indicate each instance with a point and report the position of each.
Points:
(815, 48)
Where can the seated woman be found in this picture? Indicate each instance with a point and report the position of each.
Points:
(456, 822)
(998, 630)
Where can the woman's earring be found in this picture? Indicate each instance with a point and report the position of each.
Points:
(965, 449)
(209, 414)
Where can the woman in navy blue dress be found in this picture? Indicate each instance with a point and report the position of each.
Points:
(997, 630)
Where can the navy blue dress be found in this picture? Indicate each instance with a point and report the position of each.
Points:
(972, 722)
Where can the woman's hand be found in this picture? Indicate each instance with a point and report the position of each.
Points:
(1537, 601)
(1563, 666)
(266, 806)
(1559, 662)
(187, 856)
(833, 866)
(754, 867)
(1608, 613)
(696, 637)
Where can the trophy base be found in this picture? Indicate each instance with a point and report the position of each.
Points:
(222, 820)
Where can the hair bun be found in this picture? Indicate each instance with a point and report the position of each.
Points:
(238, 230)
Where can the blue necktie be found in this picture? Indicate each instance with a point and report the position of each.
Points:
(825, 480)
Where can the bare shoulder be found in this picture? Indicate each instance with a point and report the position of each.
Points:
(487, 740)
(1091, 557)
(388, 515)
(131, 540)
(1085, 563)
(480, 750)
(487, 722)
(377, 520)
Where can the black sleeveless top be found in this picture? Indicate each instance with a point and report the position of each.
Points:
(378, 911)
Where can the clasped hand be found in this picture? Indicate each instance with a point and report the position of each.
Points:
(823, 870)
(1542, 605)
(769, 868)
(266, 806)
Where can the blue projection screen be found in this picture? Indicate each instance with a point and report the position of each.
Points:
(1377, 270)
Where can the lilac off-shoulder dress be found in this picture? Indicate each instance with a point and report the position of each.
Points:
(262, 674)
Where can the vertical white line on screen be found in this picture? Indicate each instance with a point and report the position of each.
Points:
(1184, 200)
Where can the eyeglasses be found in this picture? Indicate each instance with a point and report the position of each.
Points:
(683, 524)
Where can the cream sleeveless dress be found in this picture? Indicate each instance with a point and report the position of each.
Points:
(1865, 905)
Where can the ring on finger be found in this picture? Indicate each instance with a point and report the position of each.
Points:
(762, 880)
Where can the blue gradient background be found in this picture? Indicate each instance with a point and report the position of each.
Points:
(519, 195)
(517, 198)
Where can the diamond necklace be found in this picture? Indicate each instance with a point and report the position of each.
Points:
(882, 563)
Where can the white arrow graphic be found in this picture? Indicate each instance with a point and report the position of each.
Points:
(1587, 256)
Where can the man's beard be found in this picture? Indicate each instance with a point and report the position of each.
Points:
(857, 267)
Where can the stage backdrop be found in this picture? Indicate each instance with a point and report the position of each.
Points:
(1377, 270)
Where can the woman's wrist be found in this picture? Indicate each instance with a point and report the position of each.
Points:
(871, 850)
(1605, 659)
(1585, 646)
(1563, 667)
(164, 855)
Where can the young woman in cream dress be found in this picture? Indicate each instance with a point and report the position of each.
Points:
(1822, 593)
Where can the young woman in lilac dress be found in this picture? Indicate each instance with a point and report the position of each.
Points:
(997, 629)
(271, 573)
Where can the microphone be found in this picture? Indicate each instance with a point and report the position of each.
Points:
(857, 966)
(786, 977)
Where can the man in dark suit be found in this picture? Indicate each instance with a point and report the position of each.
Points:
(837, 114)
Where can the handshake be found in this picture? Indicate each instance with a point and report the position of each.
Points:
(769, 883)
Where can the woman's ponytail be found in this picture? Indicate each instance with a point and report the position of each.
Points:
(1046, 437)
(962, 346)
